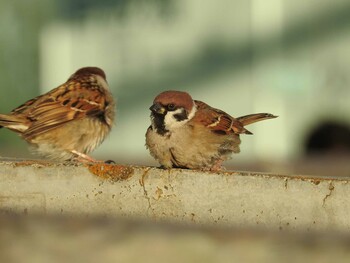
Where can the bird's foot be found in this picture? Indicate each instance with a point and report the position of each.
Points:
(217, 167)
(83, 158)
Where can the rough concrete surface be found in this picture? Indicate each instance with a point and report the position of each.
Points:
(238, 199)
(65, 239)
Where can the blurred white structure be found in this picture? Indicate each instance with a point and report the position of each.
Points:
(292, 81)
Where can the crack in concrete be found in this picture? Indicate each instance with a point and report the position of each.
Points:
(145, 193)
(331, 189)
(286, 183)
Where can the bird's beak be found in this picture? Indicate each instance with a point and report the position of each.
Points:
(157, 108)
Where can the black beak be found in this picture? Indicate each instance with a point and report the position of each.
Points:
(157, 108)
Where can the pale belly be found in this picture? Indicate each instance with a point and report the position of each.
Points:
(190, 149)
(81, 135)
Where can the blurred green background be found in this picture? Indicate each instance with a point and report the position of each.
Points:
(287, 57)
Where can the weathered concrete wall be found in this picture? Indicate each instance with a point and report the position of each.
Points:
(65, 239)
(225, 199)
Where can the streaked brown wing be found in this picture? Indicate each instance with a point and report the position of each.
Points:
(217, 120)
(25, 106)
(71, 101)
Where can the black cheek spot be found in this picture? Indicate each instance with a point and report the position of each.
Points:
(181, 116)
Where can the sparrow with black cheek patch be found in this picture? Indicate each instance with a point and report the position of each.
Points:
(187, 133)
(69, 121)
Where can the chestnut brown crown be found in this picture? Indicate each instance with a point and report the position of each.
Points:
(179, 99)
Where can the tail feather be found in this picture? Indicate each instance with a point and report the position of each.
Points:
(12, 122)
(252, 118)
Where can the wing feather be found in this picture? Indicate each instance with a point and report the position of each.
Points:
(217, 120)
(70, 101)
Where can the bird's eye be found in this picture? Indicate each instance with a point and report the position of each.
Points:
(171, 106)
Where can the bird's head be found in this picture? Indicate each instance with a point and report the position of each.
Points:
(171, 110)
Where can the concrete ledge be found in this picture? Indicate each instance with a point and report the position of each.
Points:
(239, 199)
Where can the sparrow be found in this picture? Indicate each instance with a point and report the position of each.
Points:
(187, 133)
(69, 121)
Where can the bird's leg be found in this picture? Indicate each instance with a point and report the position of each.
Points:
(83, 157)
(217, 166)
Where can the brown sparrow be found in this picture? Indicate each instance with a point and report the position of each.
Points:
(187, 133)
(69, 121)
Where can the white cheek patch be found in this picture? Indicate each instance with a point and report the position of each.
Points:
(192, 112)
(170, 122)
